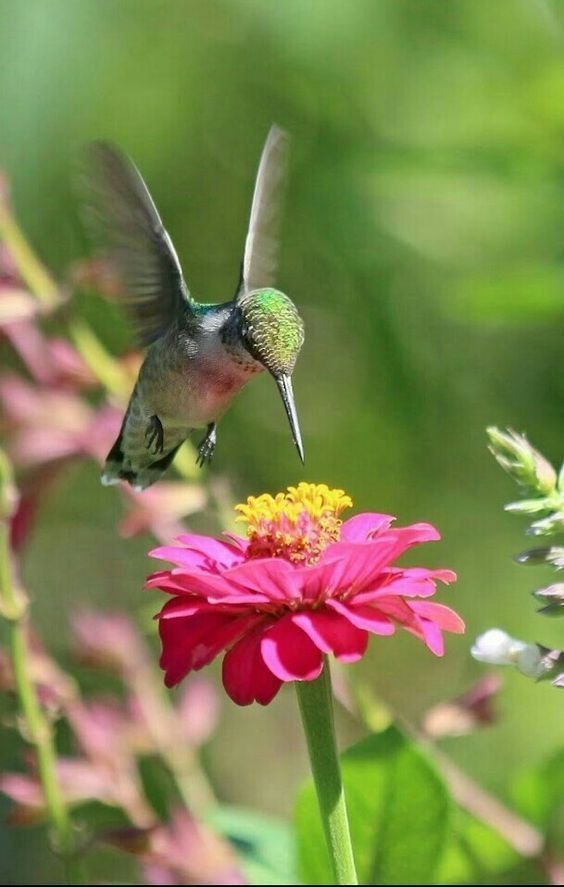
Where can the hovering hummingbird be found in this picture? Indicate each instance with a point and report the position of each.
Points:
(199, 355)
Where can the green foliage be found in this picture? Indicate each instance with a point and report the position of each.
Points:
(398, 812)
(539, 794)
(405, 828)
(264, 844)
(474, 852)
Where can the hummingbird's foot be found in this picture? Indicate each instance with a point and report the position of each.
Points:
(154, 436)
(207, 445)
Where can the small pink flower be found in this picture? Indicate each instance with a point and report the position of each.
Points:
(110, 737)
(53, 362)
(108, 640)
(50, 424)
(159, 509)
(185, 851)
(302, 585)
(16, 304)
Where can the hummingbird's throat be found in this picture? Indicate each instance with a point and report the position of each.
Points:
(297, 525)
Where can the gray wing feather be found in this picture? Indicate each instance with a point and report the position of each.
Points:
(261, 247)
(127, 230)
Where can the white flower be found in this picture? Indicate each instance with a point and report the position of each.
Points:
(496, 647)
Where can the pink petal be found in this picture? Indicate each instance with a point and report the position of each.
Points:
(165, 581)
(198, 710)
(272, 577)
(237, 541)
(414, 534)
(362, 527)
(22, 789)
(358, 564)
(26, 338)
(394, 607)
(184, 557)
(246, 678)
(432, 636)
(443, 616)
(320, 580)
(16, 305)
(220, 553)
(333, 633)
(186, 606)
(289, 653)
(210, 585)
(82, 779)
(363, 563)
(411, 582)
(440, 575)
(192, 642)
(35, 446)
(364, 617)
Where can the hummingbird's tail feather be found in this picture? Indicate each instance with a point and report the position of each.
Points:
(152, 472)
(141, 473)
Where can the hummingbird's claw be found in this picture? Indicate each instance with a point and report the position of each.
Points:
(207, 445)
(154, 436)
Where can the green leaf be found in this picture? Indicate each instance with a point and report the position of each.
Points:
(398, 812)
(264, 844)
(474, 851)
(539, 795)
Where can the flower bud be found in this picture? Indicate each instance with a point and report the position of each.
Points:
(496, 647)
(553, 555)
(528, 506)
(552, 596)
(522, 461)
(547, 526)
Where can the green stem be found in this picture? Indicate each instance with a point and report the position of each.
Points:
(316, 706)
(111, 375)
(32, 271)
(38, 729)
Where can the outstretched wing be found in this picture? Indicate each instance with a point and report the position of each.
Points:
(128, 233)
(261, 247)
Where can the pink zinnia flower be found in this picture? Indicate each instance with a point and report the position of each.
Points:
(302, 585)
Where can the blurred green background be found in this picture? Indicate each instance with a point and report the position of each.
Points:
(423, 241)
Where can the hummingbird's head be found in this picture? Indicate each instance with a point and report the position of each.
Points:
(273, 333)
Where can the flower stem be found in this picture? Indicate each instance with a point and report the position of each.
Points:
(39, 734)
(316, 706)
(14, 607)
(32, 271)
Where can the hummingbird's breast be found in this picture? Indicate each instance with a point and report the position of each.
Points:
(189, 379)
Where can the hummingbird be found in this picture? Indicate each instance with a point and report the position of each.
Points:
(199, 356)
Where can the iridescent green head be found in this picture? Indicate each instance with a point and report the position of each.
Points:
(273, 329)
(273, 332)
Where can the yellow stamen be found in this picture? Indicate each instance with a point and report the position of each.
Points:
(296, 525)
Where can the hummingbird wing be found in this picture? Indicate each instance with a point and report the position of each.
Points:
(125, 225)
(261, 246)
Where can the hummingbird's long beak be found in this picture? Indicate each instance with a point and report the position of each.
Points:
(285, 385)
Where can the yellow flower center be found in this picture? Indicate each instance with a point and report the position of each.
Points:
(296, 525)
